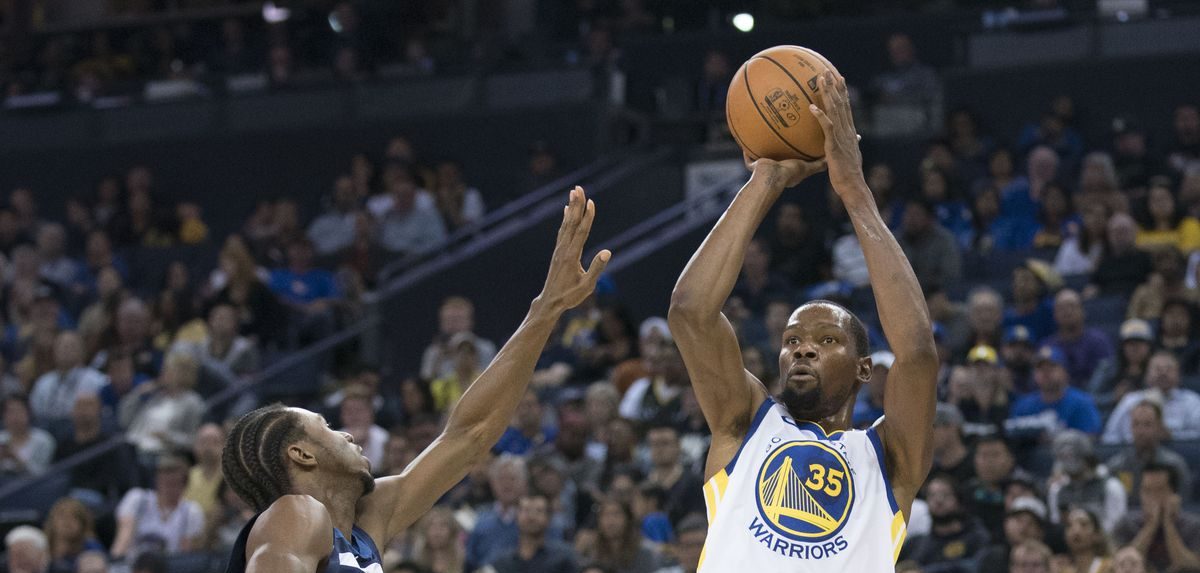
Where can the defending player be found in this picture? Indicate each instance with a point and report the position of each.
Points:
(789, 487)
(321, 511)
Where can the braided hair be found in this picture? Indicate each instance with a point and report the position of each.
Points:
(253, 459)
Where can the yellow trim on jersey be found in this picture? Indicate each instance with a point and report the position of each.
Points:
(899, 532)
(714, 491)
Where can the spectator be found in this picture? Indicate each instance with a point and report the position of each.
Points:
(980, 393)
(97, 319)
(1161, 530)
(1055, 405)
(1098, 183)
(612, 344)
(756, 283)
(1087, 543)
(163, 417)
(57, 267)
(1165, 224)
(1056, 217)
(535, 553)
(70, 531)
(1018, 351)
(24, 449)
(448, 389)
(617, 541)
(667, 470)
(54, 394)
(440, 547)
(543, 168)
(868, 408)
(950, 455)
(1084, 347)
(956, 537)
(951, 212)
(310, 293)
(358, 420)
(691, 535)
(648, 504)
(929, 246)
(205, 478)
(1024, 520)
(1054, 132)
(91, 562)
(1030, 556)
(496, 532)
(572, 447)
(1185, 150)
(410, 227)
(984, 495)
(333, 230)
(159, 519)
(131, 336)
(24, 205)
(260, 315)
(224, 357)
(1176, 333)
(548, 476)
(1122, 266)
(456, 316)
(658, 396)
(1167, 282)
(1180, 406)
(985, 318)
(794, 252)
(28, 550)
(971, 149)
(910, 83)
(1079, 480)
(1125, 372)
(225, 523)
(1084, 244)
(1129, 560)
(1031, 306)
(460, 205)
(1135, 165)
(526, 432)
(1146, 448)
(105, 477)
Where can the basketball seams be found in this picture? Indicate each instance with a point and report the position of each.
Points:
(767, 122)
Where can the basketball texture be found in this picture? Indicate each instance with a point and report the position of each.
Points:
(767, 105)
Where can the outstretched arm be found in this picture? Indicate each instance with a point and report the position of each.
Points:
(488, 405)
(727, 393)
(910, 396)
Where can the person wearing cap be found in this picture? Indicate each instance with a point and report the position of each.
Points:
(1031, 307)
(1078, 481)
(455, 316)
(1024, 520)
(1125, 371)
(1146, 427)
(950, 455)
(1084, 347)
(1017, 351)
(449, 388)
(1180, 406)
(869, 405)
(651, 331)
(1055, 404)
(985, 319)
(1123, 266)
(980, 392)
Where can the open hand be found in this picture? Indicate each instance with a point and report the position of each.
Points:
(841, 140)
(567, 283)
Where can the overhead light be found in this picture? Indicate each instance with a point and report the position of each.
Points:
(335, 23)
(743, 22)
(273, 14)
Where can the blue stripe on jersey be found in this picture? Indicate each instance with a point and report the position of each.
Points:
(360, 545)
(758, 418)
(873, 433)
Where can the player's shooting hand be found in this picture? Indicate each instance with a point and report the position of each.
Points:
(568, 283)
(841, 140)
(788, 173)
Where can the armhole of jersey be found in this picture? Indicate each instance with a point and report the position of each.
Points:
(371, 542)
(758, 418)
(873, 434)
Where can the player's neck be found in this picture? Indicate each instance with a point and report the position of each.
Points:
(339, 500)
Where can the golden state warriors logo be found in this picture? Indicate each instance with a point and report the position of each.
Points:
(805, 491)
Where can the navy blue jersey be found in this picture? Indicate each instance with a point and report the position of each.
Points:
(355, 555)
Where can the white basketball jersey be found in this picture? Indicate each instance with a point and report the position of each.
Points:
(795, 500)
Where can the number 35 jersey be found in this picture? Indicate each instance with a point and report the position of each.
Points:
(796, 500)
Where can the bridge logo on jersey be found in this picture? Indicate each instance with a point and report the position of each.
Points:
(805, 490)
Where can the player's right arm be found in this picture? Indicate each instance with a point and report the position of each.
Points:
(727, 393)
(294, 535)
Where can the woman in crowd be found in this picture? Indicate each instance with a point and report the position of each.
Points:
(1056, 217)
(617, 541)
(1167, 282)
(1164, 224)
(24, 449)
(440, 545)
(70, 530)
(163, 416)
(1116, 376)
(1085, 242)
(616, 341)
(239, 284)
(1176, 333)
(1087, 544)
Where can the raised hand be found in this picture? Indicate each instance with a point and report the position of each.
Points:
(841, 140)
(567, 282)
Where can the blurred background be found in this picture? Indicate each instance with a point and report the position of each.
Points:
(211, 205)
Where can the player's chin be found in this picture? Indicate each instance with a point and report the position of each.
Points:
(802, 398)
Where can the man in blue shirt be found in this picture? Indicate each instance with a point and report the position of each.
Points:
(1084, 347)
(308, 292)
(1055, 404)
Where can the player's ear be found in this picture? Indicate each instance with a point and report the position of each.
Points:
(301, 455)
(864, 369)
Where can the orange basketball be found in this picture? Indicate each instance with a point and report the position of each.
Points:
(767, 105)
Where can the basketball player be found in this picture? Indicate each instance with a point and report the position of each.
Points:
(320, 509)
(790, 487)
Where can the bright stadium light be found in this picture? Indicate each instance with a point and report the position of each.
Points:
(273, 14)
(743, 22)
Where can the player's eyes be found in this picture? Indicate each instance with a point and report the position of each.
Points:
(793, 340)
(828, 340)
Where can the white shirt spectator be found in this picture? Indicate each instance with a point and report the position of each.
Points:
(1072, 261)
(1115, 500)
(332, 231)
(186, 521)
(379, 205)
(1181, 415)
(36, 453)
(631, 403)
(849, 262)
(163, 422)
(54, 393)
(418, 231)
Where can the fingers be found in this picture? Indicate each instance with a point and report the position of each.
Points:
(584, 227)
(567, 226)
(822, 119)
(599, 263)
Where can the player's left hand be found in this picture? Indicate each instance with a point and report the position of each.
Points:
(841, 140)
(568, 283)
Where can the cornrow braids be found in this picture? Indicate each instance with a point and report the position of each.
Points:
(253, 459)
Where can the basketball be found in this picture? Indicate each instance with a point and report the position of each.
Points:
(767, 105)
